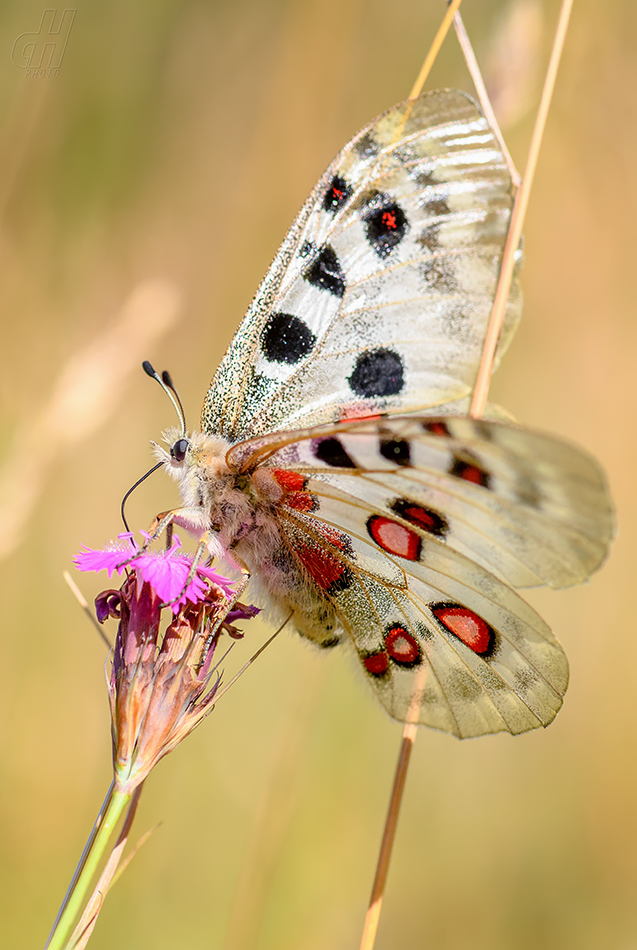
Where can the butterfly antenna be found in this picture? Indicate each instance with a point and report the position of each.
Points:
(132, 489)
(168, 386)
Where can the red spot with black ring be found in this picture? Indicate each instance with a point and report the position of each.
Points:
(402, 647)
(376, 663)
(394, 538)
(468, 626)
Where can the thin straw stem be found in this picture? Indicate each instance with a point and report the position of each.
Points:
(481, 389)
(79, 596)
(478, 402)
(249, 662)
(378, 889)
(114, 810)
(434, 49)
(483, 96)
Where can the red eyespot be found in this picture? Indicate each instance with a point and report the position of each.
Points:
(470, 472)
(376, 663)
(466, 625)
(394, 538)
(419, 516)
(402, 647)
(436, 428)
(424, 518)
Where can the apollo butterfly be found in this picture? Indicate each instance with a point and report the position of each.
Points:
(336, 460)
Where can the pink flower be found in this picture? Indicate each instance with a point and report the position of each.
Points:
(162, 680)
(166, 572)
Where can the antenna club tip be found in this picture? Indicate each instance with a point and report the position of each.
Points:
(167, 378)
(148, 368)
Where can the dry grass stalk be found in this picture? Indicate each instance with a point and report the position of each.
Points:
(478, 401)
(483, 379)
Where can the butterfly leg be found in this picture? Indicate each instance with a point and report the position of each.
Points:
(164, 521)
(202, 548)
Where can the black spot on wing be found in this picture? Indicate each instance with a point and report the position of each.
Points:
(470, 471)
(395, 450)
(286, 339)
(331, 451)
(377, 373)
(386, 227)
(325, 272)
(424, 518)
(337, 194)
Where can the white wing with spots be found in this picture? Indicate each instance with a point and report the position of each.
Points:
(378, 298)
(528, 507)
(444, 644)
(415, 530)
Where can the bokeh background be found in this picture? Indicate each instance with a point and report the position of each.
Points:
(143, 191)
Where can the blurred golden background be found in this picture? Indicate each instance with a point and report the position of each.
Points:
(143, 191)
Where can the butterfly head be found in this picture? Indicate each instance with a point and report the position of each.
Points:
(197, 462)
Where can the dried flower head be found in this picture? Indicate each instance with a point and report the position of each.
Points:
(162, 683)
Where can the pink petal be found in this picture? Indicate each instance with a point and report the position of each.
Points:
(224, 582)
(165, 572)
(106, 560)
(167, 576)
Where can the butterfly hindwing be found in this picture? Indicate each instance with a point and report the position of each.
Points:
(468, 657)
(528, 507)
(379, 296)
(414, 529)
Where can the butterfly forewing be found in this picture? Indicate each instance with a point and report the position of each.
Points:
(379, 297)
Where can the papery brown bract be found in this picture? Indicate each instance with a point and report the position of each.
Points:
(160, 684)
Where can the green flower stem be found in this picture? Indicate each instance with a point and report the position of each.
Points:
(113, 812)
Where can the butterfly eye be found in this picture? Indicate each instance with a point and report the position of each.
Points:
(179, 449)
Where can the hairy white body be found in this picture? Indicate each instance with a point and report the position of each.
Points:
(238, 515)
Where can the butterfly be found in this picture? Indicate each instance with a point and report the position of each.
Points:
(336, 460)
